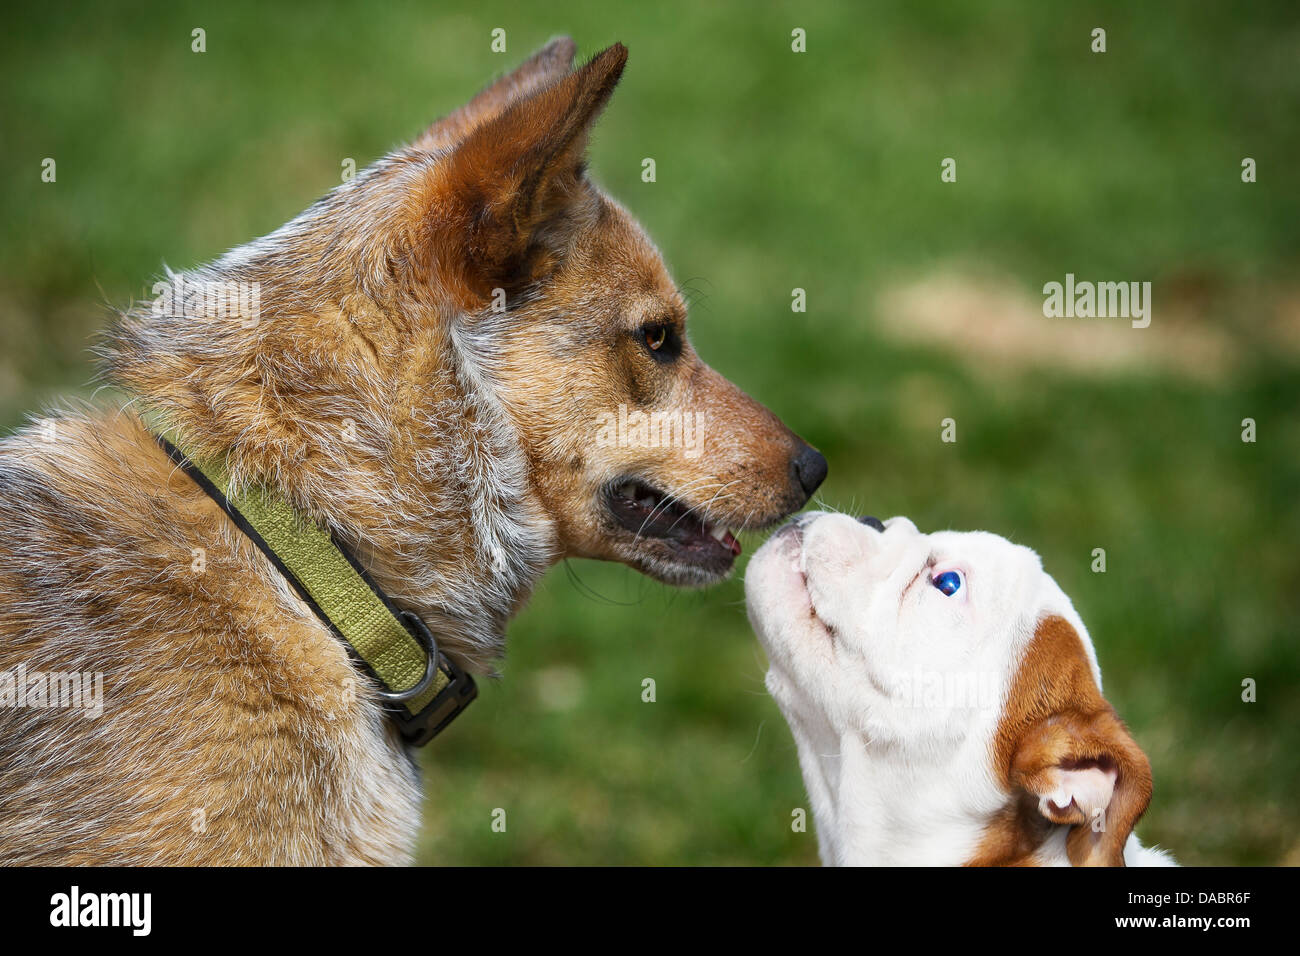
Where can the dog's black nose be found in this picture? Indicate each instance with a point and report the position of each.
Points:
(810, 468)
(871, 522)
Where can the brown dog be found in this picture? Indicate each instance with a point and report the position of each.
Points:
(466, 364)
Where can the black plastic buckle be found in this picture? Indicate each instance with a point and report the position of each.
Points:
(418, 729)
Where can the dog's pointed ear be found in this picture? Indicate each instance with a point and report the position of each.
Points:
(548, 64)
(1066, 747)
(515, 174)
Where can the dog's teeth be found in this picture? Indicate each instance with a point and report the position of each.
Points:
(718, 532)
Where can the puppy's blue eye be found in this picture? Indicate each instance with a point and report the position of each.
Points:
(949, 582)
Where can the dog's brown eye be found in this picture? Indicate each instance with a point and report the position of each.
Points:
(662, 341)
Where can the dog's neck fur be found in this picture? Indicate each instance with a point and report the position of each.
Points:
(364, 405)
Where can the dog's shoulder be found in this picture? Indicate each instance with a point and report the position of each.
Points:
(229, 713)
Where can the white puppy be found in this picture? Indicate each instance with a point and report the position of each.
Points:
(945, 700)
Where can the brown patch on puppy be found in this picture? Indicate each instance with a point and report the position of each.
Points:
(1059, 735)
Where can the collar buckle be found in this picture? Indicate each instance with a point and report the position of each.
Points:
(417, 629)
(460, 691)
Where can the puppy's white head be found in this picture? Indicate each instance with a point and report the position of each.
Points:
(956, 662)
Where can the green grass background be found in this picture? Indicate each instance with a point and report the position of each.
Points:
(778, 170)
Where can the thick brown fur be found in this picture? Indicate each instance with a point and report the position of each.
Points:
(435, 344)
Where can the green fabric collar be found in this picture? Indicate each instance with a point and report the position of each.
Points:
(422, 689)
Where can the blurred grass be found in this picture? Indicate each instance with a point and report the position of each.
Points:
(778, 170)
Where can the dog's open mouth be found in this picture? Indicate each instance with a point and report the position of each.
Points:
(652, 514)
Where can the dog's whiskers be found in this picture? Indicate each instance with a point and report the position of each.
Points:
(668, 501)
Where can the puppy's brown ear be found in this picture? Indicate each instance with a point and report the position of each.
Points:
(1066, 747)
(1086, 771)
(548, 64)
(514, 175)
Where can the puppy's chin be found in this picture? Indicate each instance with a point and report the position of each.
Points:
(817, 679)
(775, 592)
(798, 646)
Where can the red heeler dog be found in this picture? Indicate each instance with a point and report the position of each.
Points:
(461, 366)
